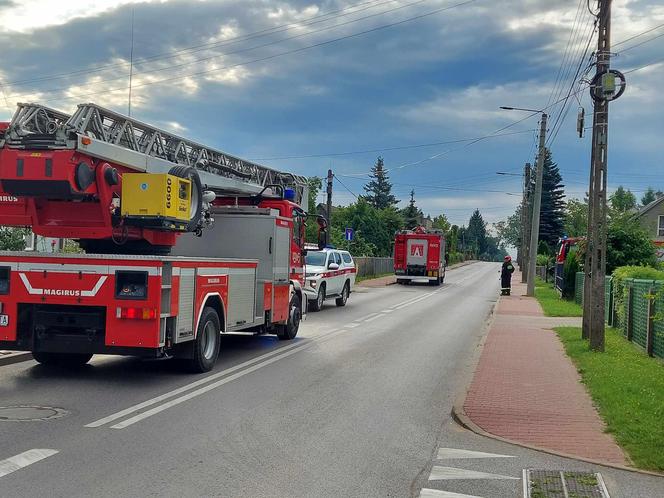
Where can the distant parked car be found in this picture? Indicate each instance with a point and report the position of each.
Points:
(330, 274)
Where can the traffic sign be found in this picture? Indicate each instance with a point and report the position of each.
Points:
(349, 234)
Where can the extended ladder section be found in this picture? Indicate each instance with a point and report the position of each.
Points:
(107, 135)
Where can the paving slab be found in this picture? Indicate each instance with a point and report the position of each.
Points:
(526, 389)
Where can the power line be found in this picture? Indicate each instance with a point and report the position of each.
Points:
(642, 43)
(574, 55)
(644, 66)
(344, 186)
(384, 149)
(270, 57)
(211, 45)
(473, 142)
(565, 108)
(638, 35)
(577, 44)
(569, 42)
(457, 189)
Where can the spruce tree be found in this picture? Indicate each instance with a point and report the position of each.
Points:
(476, 235)
(379, 189)
(648, 197)
(552, 211)
(412, 214)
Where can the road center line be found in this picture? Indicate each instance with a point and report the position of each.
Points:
(22, 460)
(365, 317)
(408, 301)
(373, 318)
(175, 392)
(214, 385)
(422, 298)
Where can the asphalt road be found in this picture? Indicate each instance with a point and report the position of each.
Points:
(358, 405)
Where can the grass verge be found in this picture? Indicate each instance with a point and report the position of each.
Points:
(627, 386)
(552, 303)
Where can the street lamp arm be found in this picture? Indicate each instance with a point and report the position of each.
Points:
(522, 109)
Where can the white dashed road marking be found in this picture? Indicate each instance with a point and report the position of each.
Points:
(455, 453)
(373, 318)
(22, 460)
(437, 493)
(439, 473)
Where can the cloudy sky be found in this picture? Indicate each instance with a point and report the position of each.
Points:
(305, 85)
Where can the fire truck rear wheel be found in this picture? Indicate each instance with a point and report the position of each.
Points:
(196, 206)
(289, 330)
(206, 344)
(341, 301)
(61, 359)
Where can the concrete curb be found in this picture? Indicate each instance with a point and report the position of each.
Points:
(461, 418)
(14, 358)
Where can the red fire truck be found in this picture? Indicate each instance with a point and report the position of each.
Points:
(420, 255)
(181, 242)
(565, 244)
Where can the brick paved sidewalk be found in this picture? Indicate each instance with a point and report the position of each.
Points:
(526, 389)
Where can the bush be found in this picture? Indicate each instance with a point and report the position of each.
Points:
(543, 260)
(12, 239)
(626, 272)
(543, 248)
(628, 244)
(570, 269)
(455, 257)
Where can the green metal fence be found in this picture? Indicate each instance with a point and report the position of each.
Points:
(641, 316)
(578, 288)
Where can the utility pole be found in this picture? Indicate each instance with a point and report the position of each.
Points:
(537, 201)
(328, 211)
(593, 309)
(525, 223)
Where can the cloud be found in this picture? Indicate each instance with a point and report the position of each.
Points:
(28, 16)
(439, 78)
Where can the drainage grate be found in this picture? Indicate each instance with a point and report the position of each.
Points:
(563, 484)
(25, 413)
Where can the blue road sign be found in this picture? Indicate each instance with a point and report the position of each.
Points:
(349, 234)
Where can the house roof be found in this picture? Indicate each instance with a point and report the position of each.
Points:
(650, 207)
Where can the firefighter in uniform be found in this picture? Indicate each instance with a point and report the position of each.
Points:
(506, 276)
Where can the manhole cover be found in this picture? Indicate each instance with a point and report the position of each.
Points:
(564, 484)
(30, 413)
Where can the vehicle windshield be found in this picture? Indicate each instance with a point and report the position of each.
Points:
(315, 258)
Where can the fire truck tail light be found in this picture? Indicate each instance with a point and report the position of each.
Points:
(137, 313)
(4, 279)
